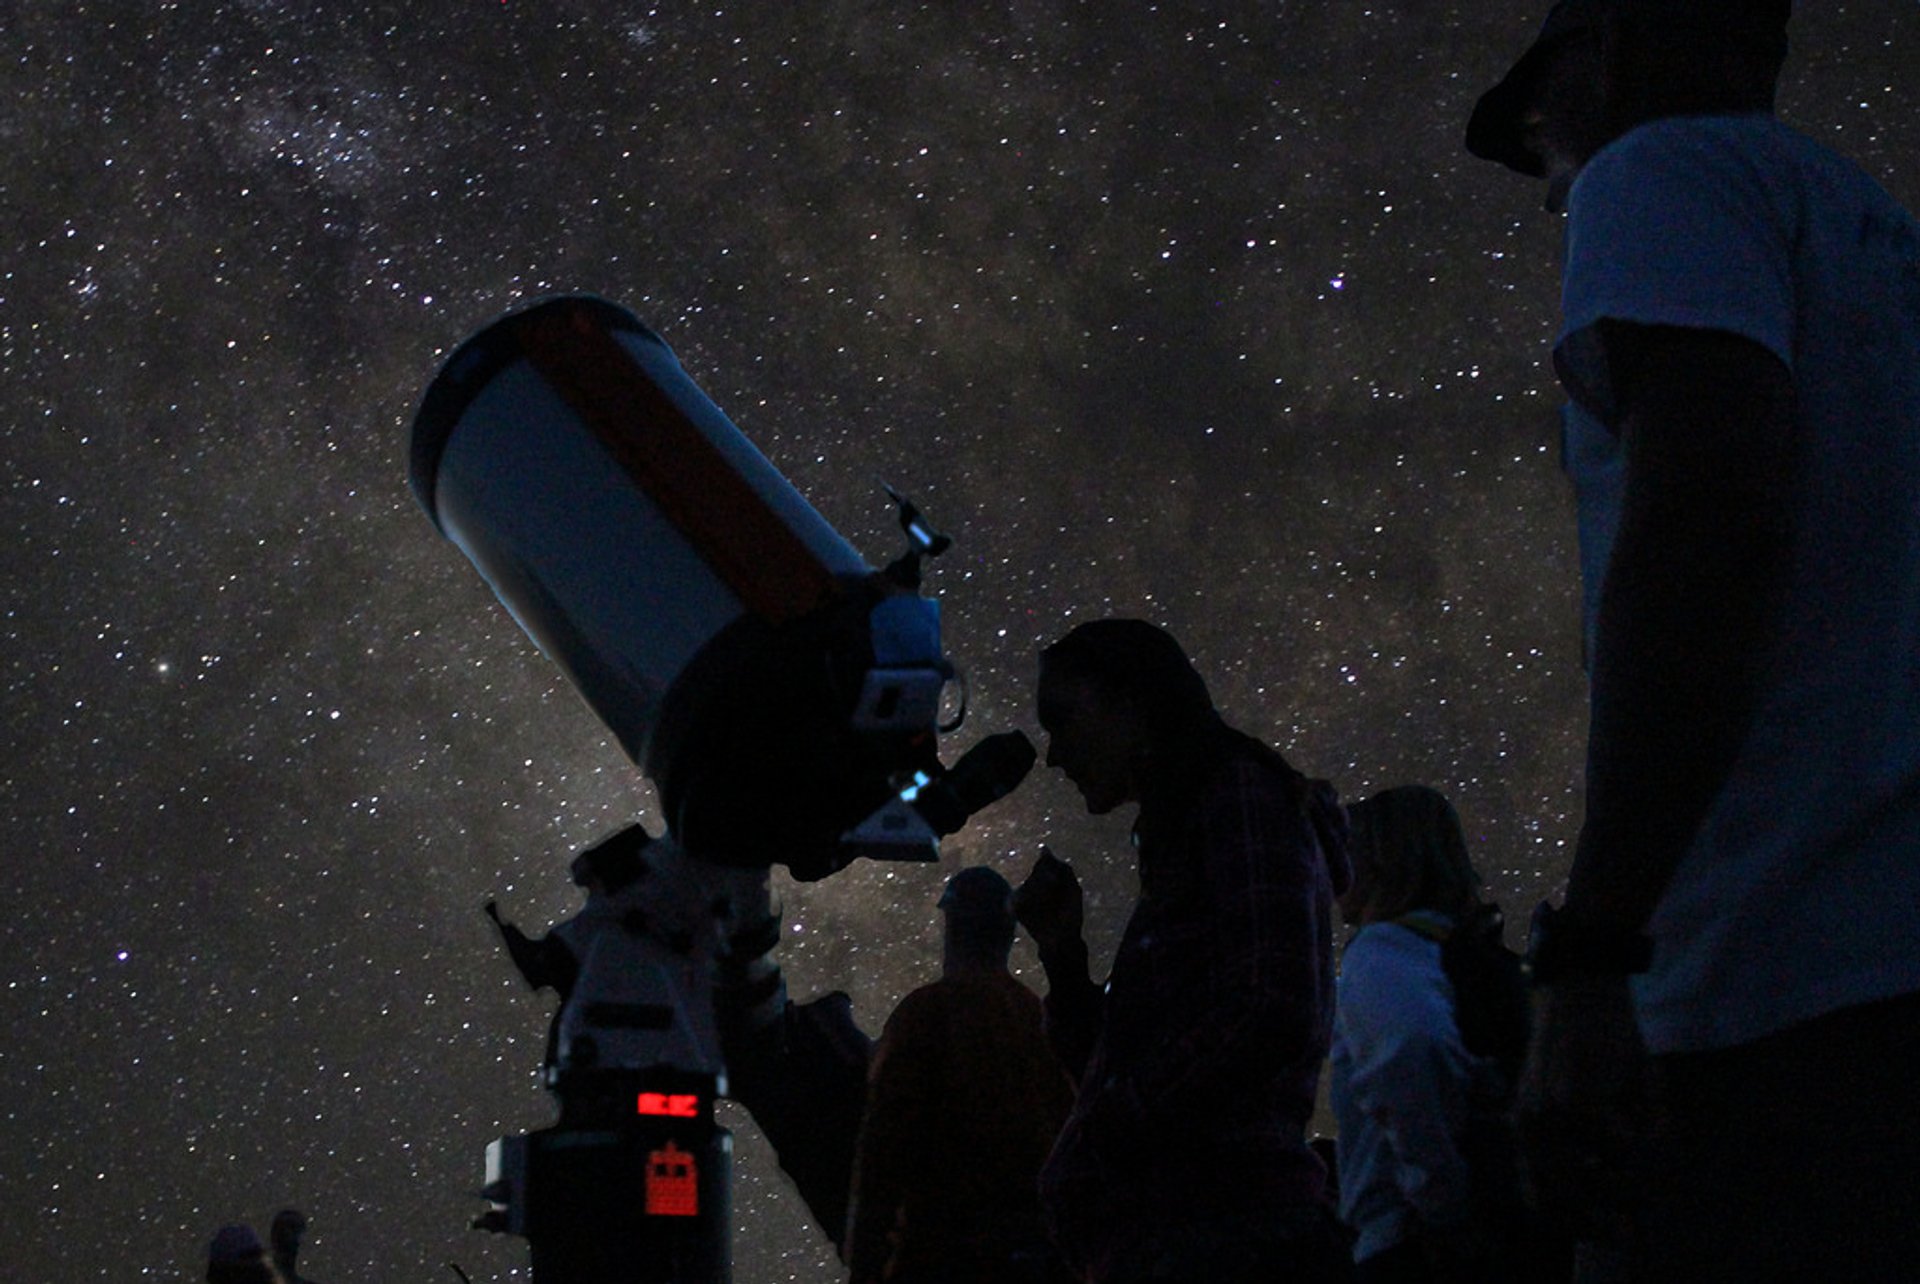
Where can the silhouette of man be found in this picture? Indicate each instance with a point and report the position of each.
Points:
(1741, 346)
(964, 1100)
(289, 1225)
(602, 871)
(236, 1256)
(1186, 1156)
(553, 961)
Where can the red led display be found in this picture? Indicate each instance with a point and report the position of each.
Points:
(670, 1105)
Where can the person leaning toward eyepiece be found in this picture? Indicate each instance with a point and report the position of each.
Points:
(1186, 1156)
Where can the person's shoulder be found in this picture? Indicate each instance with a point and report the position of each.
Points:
(1697, 135)
(1247, 767)
(971, 985)
(1747, 148)
(1389, 946)
(1001, 980)
(920, 1008)
(1673, 147)
(1253, 791)
(1001, 998)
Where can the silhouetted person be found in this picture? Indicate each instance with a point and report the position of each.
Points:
(1429, 1179)
(289, 1225)
(964, 1101)
(1186, 1158)
(236, 1256)
(553, 961)
(1741, 345)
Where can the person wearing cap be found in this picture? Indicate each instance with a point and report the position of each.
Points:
(236, 1256)
(964, 1100)
(1741, 349)
(1198, 1063)
(289, 1226)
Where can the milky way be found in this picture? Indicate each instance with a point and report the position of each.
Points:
(1197, 312)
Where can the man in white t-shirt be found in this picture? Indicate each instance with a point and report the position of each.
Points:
(1741, 346)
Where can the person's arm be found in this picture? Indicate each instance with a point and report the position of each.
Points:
(1686, 614)
(1049, 904)
(544, 962)
(1687, 606)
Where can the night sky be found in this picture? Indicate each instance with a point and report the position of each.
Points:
(1196, 312)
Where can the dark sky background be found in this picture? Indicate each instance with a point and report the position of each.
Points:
(1197, 312)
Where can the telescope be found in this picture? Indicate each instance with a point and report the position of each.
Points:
(783, 695)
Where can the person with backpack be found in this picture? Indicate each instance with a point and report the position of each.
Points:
(1430, 1030)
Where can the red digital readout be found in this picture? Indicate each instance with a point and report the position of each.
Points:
(670, 1105)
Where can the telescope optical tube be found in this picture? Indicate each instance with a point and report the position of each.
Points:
(747, 659)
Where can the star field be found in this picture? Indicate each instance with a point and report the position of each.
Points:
(1197, 312)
